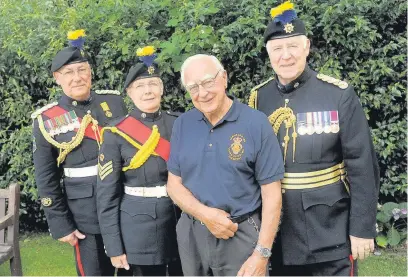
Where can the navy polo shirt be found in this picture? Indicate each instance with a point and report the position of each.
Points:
(224, 165)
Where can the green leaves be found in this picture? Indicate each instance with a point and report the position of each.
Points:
(361, 41)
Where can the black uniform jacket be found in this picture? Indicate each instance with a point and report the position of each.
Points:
(70, 203)
(331, 127)
(141, 227)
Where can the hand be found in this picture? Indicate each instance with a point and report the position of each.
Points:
(72, 238)
(120, 262)
(361, 248)
(219, 224)
(256, 265)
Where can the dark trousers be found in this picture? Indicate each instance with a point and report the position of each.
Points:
(343, 267)
(90, 257)
(149, 270)
(202, 254)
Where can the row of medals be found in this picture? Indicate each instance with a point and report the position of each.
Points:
(63, 124)
(309, 127)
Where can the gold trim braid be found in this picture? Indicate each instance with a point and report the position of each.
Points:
(285, 115)
(315, 179)
(253, 97)
(315, 173)
(66, 147)
(252, 102)
(144, 151)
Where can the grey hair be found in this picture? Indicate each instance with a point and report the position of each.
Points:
(216, 62)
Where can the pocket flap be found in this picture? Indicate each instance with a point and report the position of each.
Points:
(327, 195)
(79, 191)
(134, 208)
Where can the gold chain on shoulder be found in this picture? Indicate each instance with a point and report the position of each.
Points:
(285, 115)
(144, 151)
(66, 147)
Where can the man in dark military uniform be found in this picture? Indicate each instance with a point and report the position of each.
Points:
(66, 139)
(331, 182)
(137, 218)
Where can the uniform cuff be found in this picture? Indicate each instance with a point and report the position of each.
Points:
(113, 245)
(362, 227)
(61, 227)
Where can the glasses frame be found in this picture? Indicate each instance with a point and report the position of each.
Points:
(210, 80)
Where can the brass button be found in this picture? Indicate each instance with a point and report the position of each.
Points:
(143, 115)
(74, 103)
(210, 145)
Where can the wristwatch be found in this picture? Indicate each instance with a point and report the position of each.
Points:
(265, 252)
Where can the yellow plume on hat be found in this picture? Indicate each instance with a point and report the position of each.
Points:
(281, 9)
(73, 35)
(145, 51)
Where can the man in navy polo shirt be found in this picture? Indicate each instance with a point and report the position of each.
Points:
(225, 162)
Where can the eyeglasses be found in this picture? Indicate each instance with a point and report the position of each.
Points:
(206, 84)
(82, 71)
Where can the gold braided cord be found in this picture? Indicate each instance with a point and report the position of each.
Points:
(66, 147)
(125, 136)
(252, 99)
(284, 115)
(145, 150)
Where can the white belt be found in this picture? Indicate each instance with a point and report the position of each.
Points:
(81, 171)
(158, 191)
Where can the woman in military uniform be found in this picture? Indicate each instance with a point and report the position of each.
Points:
(137, 217)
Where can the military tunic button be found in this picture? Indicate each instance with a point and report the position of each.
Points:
(283, 191)
(210, 145)
(143, 115)
(296, 85)
(283, 144)
(212, 131)
(88, 112)
(74, 103)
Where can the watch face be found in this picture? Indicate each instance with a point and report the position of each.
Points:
(266, 252)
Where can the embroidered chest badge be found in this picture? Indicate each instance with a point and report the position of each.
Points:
(236, 149)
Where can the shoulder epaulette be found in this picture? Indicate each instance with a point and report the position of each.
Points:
(254, 93)
(176, 114)
(107, 91)
(325, 78)
(43, 109)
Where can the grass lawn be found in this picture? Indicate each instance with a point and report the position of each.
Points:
(43, 256)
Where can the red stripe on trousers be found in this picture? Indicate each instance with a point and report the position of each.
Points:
(352, 265)
(78, 260)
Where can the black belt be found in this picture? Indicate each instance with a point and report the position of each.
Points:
(234, 219)
(241, 218)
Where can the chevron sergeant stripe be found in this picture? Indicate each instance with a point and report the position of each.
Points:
(105, 170)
